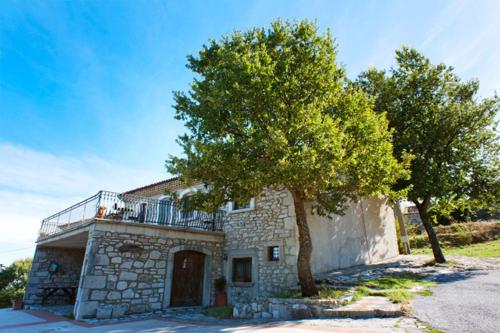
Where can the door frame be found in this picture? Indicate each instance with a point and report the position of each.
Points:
(207, 273)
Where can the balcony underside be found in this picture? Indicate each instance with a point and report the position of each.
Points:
(77, 235)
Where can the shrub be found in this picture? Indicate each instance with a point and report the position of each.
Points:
(220, 284)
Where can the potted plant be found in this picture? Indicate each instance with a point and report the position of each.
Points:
(220, 292)
(17, 299)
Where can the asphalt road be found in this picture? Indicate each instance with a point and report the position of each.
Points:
(468, 302)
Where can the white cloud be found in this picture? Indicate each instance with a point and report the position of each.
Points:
(34, 185)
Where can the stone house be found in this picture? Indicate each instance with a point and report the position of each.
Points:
(115, 254)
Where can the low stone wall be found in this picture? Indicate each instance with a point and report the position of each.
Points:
(285, 308)
(67, 275)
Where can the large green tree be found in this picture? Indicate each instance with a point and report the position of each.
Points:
(450, 132)
(271, 108)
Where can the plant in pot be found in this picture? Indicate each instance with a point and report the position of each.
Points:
(17, 299)
(220, 292)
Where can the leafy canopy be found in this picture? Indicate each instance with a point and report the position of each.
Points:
(273, 108)
(448, 129)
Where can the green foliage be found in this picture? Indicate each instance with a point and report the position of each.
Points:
(450, 132)
(324, 292)
(224, 312)
(220, 284)
(398, 283)
(13, 280)
(486, 250)
(273, 108)
(398, 290)
(425, 292)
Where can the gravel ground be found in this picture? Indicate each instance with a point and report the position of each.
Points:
(463, 302)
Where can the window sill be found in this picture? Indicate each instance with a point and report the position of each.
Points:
(242, 284)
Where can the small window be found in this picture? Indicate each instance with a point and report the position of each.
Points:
(242, 270)
(274, 253)
(237, 205)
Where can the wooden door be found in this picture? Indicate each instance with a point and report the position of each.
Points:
(187, 284)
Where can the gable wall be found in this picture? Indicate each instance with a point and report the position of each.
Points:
(365, 234)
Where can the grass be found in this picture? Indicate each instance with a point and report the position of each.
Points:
(324, 293)
(224, 312)
(425, 292)
(398, 290)
(485, 250)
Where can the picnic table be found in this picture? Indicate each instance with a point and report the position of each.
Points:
(49, 291)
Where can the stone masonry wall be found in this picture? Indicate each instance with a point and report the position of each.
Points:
(68, 275)
(249, 233)
(126, 269)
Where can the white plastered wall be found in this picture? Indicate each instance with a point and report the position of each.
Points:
(365, 234)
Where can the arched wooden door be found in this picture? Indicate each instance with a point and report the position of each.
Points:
(187, 283)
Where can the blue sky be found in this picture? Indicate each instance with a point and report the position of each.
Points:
(86, 86)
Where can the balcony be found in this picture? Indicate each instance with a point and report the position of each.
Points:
(130, 208)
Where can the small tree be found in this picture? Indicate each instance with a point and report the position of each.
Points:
(450, 132)
(271, 108)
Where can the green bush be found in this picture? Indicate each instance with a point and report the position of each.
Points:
(13, 280)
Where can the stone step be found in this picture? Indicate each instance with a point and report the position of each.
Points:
(367, 307)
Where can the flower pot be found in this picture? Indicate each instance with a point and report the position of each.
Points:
(17, 304)
(220, 298)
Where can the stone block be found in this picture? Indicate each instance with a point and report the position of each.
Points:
(149, 264)
(138, 264)
(116, 260)
(122, 285)
(129, 293)
(104, 312)
(128, 276)
(101, 259)
(86, 309)
(155, 254)
(120, 310)
(94, 282)
(98, 295)
(126, 265)
(114, 295)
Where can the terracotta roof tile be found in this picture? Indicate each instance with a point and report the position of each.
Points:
(158, 188)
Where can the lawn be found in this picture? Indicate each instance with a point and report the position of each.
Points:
(486, 249)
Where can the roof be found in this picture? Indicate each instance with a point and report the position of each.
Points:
(158, 188)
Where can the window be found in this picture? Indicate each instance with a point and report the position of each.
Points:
(273, 253)
(239, 205)
(242, 269)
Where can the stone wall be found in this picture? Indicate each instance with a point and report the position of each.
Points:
(68, 274)
(249, 233)
(126, 268)
(285, 308)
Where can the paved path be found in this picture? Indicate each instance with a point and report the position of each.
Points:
(463, 303)
(43, 322)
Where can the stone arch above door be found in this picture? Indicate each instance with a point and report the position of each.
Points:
(207, 272)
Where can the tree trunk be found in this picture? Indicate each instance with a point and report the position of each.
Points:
(306, 280)
(403, 235)
(424, 216)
